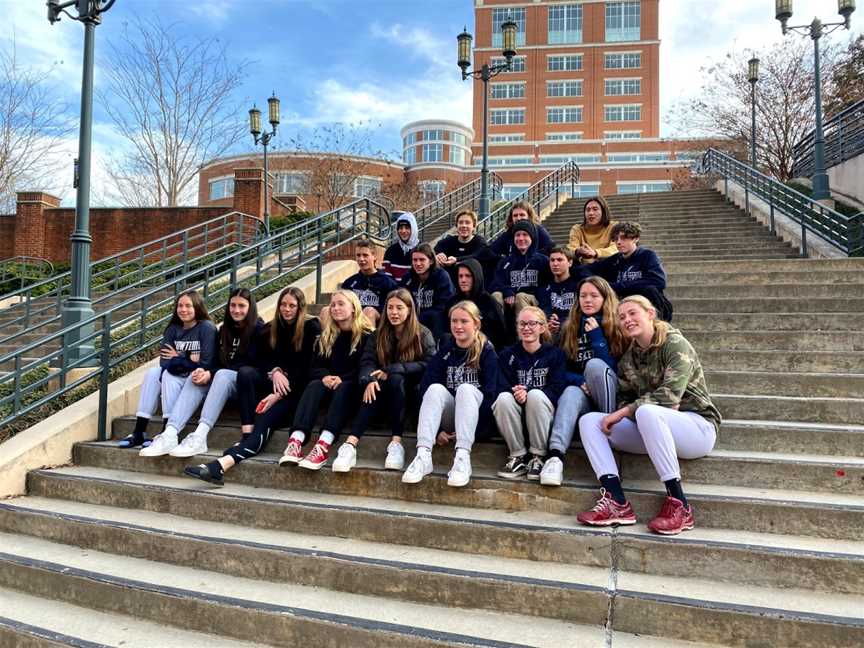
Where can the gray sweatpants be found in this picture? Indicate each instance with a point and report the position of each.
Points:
(440, 410)
(574, 402)
(538, 410)
(159, 383)
(221, 387)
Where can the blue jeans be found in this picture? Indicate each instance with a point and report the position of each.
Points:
(574, 402)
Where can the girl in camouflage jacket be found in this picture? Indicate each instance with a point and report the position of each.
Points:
(664, 411)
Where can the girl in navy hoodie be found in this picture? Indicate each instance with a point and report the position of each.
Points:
(532, 379)
(397, 257)
(592, 343)
(431, 288)
(470, 286)
(188, 344)
(458, 388)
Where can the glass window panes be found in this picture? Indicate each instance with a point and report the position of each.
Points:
(222, 188)
(508, 90)
(433, 152)
(622, 135)
(459, 138)
(431, 190)
(629, 112)
(293, 182)
(499, 17)
(565, 24)
(457, 156)
(622, 21)
(409, 139)
(587, 190)
(507, 116)
(507, 138)
(511, 192)
(367, 187)
(637, 157)
(430, 135)
(623, 61)
(620, 87)
(410, 155)
(564, 63)
(516, 65)
(643, 187)
(564, 115)
(564, 88)
(563, 137)
(507, 161)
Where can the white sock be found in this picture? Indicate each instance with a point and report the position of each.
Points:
(465, 453)
(202, 430)
(300, 436)
(169, 430)
(424, 450)
(327, 437)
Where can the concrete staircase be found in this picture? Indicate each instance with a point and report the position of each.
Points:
(116, 543)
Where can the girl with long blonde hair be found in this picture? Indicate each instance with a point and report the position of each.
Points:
(458, 388)
(333, 380)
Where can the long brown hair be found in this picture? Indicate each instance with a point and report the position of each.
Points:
(609, 314)
(244, 330)
(522, 204)
(408, 344)
(604, 210)
(359, 325)
(197, 304)
(476, 348)
(278, 326)
(661, 327)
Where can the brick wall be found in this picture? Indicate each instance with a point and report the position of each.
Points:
(7, 235)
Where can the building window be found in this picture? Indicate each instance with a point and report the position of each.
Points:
(506, 161)
(293, 182)
(508, 90)
(410, 155)
(459, 138)
(365, 187)
(620, 87)
(429, 135)
(507, 116)
(433, 152)
(586, 159)
(517, 65)
(587, 190)
(571, 115)
(636, 157)
(565, 24)
(561, 159)
(622, 21)
(342, 184)
(457, 156)
(431, 190)
(221, 188)
(507, 138)
(568, 63)
(499, 17)
(643, 187)
(627, 112)
(623, 61)
(622, 135)
(511, 192)
(409, 139)
(563, 137)
(564, 88)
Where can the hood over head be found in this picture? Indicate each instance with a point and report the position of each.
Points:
(414, 239)
(473, 266)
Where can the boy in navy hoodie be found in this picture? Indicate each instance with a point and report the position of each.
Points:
(397, 257)
(370, 284)
(518, 276)
(532, 374)
(634, 270)
(431, 288)
(557, 296)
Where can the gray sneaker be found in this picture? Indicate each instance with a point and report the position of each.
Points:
(515, 468)
(535, 467)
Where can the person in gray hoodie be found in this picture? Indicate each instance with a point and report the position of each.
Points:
(397, 257)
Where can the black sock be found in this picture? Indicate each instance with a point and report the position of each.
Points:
(555, 453)
(140, 429)
(215, 469)
(612, 484)
(673, 489)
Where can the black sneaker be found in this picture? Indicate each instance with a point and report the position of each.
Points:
(514, 468)
(535, 467)
(207, 473)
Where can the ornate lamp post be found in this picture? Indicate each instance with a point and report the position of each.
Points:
(816, 30)
(753, 77)
(485, 73)
(264, 139)
(78, 306)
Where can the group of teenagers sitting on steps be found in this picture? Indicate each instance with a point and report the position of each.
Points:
(578, 339)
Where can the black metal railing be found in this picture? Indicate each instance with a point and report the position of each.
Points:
(22, 270)
(36, 374)
(846, 233)
(438, 216)
(844, 139)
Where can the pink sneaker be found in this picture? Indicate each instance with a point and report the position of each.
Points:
(317, 457)
(673, 518)
(608, 512)
(293, 453)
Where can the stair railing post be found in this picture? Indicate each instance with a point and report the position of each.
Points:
(318, 265)
(803, 237)
(771, 206)
(103, 377)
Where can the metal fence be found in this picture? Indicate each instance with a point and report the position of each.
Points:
(24, 270)
(844, 139)
(439, 216)
(35, 376)
(846, 233)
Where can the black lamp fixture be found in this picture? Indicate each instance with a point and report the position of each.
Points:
(264, 138)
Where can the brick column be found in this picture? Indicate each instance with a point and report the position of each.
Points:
(30, 222)
(249, 192)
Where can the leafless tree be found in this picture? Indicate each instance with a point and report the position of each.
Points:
(171, 97)
(847, 82)
(33, 124)
(785, 109)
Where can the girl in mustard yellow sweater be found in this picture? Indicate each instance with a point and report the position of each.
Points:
(592, 239)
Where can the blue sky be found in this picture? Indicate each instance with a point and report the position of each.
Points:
(389, 61)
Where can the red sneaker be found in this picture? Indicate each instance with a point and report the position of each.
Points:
(608, 512)
(293, 453)
(673, 518)
(317, 457)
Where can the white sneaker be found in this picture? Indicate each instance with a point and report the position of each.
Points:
(395, 457)
(162, 445)
(553, 472)
(418, 469)
(193, 444)
(346, 458)
(460, 473)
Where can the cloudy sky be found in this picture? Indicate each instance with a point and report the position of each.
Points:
(391, 61)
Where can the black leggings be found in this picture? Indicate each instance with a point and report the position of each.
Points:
(252, 384)
(342, 404)
(392, 399)
(278, 416)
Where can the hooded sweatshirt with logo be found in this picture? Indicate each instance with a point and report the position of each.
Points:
(592, 344)
(196, 346)
(491, 313)
(397, 257)
(371, 289)
(543, 370)
(522, 272)
(557, 298)
(631, 275)
(430, 297)
(503, 244)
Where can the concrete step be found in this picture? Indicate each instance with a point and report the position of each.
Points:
(795, 438)
(840, 411)
(782, 361)
(788, 290)
(688, 322)
(486, 490)
(766, 305)
(724, 268)
(738, 255)
(772, 341)
(811, 385)
(755, 277)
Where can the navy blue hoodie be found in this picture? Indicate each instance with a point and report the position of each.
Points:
(503, 245)
(491, 314)
(251, 356)
(200, 340)
(558, 298)
(544, 370)
(430, 296)
(640, 271)
(522, 272)
(591, 345)
(372, 289)
(447, 367)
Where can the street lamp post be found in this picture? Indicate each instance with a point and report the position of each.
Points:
(753, 77)
(816, 29)
(264, 138)
(485, 73)
(78, 306)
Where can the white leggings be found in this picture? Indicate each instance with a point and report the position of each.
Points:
(662, 433)
(440, 410)
(157, 382)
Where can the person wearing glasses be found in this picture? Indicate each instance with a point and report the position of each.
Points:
(532, 376)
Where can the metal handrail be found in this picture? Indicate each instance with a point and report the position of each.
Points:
(447, 206)
(844, 139)
(537, 194)
(21, 262)
(137, 323)
(40, 304)
(846, 233)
